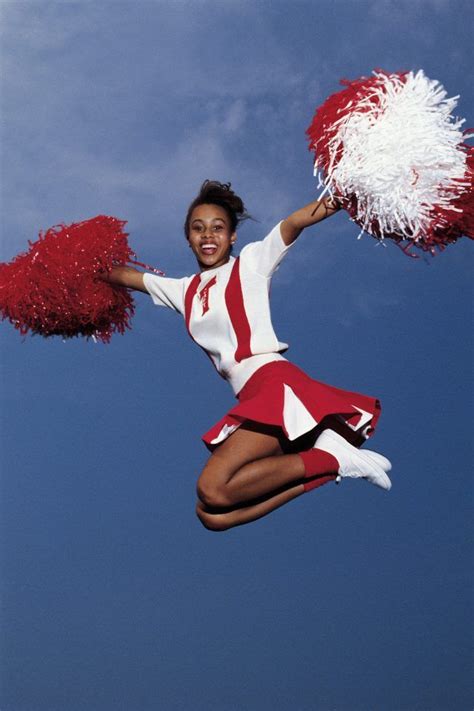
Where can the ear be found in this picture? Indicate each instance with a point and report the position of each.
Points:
(233, 238)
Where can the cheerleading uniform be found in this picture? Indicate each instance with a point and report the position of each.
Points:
(227, 313)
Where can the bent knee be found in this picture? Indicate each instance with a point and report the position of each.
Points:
(212, 493)
(213, 497)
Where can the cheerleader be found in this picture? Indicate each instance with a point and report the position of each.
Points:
(391, 150)
(288, 434)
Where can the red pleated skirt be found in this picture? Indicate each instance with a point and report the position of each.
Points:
(281, 394)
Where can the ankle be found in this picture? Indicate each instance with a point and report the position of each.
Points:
(317, 462)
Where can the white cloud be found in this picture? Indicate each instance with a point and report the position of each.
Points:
(118, 108)
(125, 108)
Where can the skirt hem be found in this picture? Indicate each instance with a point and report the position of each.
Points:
(279, 394)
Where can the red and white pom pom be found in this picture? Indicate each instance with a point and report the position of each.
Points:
(55, 288)
(389, 147)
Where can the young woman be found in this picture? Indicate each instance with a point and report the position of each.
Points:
(288, 434)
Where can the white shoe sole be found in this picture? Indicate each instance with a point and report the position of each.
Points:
(355, 463)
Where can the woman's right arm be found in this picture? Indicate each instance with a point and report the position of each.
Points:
(125, 276)
(164, 291)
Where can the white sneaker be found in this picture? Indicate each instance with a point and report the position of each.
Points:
(355, 463)
(379, 459)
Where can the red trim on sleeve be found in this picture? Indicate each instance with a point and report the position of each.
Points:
(235, 306)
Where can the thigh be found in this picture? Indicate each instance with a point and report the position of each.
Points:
(247, 444)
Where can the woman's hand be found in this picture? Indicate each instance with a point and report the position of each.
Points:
(316, 211)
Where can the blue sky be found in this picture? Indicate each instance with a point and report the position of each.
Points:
(114, 596)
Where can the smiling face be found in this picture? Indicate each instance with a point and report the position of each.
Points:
(210, 236)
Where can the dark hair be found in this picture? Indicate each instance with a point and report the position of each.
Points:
(214, 193)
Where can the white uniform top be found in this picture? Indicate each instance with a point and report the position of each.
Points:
(227, 309)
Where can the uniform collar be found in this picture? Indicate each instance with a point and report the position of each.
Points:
(207, 272)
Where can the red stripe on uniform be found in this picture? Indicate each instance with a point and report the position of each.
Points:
(204, 295)
(235, 306)
(188, 299)
(188, 305)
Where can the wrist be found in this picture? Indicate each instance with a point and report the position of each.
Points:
(333, 202)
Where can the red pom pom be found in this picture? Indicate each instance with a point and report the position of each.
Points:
(55, 288)
(459, 220)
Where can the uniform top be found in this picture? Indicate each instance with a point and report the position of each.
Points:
(227, 309)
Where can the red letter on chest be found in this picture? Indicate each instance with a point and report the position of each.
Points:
(204, 295)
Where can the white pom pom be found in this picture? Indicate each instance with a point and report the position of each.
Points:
(393, 150)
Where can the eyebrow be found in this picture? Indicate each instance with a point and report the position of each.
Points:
(199, 219)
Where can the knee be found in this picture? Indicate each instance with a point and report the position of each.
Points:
(212, 494)
(213, 522)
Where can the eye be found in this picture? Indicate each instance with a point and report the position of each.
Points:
(218, 227)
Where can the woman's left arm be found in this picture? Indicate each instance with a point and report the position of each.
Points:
(316, 211)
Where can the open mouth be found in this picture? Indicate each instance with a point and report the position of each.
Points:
(209, 249)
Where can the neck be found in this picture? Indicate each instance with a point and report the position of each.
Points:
(208, 267)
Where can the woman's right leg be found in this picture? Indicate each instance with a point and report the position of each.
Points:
(248, 476)
(251, 465)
